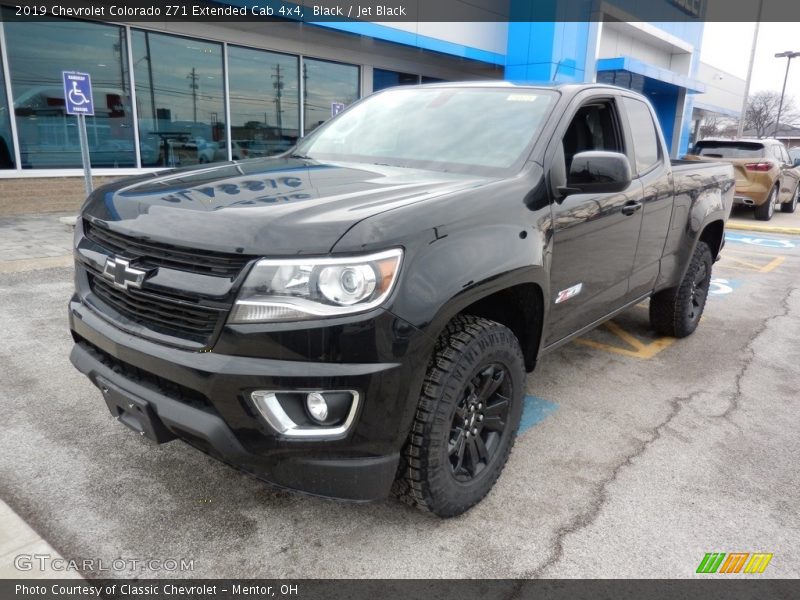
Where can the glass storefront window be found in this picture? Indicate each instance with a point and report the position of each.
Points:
(328, 86)
(264, 102)
(48, 137)
(382, 79)
(6, 143)
(179, 99)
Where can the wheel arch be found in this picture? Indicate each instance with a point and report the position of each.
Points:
(713, 234)
(521, 309)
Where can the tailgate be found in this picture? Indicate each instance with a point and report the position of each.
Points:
(742, 175)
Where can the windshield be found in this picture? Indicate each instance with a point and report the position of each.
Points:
(447, 129)
(729, 149)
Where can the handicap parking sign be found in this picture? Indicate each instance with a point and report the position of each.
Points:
(78, 93)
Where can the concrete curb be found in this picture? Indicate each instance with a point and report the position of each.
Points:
(17, 538)
(762, 228)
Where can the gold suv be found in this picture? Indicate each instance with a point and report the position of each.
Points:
(765, 174)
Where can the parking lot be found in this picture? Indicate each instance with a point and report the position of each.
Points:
(637, 456)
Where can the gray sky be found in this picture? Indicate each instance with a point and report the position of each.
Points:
(727, 47)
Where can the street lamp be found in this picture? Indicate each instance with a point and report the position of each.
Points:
(788, 55)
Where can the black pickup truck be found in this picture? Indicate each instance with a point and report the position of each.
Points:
(358, 315)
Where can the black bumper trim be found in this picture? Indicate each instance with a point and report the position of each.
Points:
(358, 479)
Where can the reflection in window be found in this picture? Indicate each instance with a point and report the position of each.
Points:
(264, 96)
(37, 54)
(645, 138)
(179, 99)
(382, 79)
(6, 147)
(327, 86)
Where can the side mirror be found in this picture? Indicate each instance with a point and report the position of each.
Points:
(796, 162)
(598, 172)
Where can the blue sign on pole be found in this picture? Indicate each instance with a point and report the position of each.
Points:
(78, 93)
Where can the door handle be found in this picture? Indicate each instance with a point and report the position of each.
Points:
(631, 207)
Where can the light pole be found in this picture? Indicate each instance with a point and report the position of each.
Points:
(740, 130)
(789, 56)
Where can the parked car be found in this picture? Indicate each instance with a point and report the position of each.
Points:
(359, 314)
(766, 176)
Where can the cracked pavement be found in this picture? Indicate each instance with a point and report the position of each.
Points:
(644, 467)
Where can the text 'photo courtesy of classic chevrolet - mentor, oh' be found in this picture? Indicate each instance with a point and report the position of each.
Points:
(357, 315)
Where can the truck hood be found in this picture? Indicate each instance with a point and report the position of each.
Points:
(276, 206)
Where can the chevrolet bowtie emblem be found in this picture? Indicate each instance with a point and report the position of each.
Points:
(120, 272)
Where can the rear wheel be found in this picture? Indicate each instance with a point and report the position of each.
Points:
(789, 207)
(766, 210)
(466, 420)
(677, 311)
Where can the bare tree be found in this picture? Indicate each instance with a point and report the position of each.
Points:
(762, 112)
(714, 126)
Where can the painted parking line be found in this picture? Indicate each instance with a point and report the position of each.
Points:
(762, 228)
(633, 346)
(750, 261)
(534, 411)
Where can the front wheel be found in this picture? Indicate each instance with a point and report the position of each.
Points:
(466, 420)
(677, 311)
(789, 207)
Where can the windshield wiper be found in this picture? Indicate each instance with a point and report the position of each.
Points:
(296, 155)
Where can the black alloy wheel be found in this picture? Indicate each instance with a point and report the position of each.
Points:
(479, 421)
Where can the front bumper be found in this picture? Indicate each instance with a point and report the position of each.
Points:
(204, 399)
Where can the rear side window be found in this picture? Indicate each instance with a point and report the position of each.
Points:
(729, 149)
(645, 139)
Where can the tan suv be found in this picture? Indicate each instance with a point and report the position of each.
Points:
(765, 174)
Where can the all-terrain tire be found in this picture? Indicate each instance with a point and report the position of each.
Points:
(445, 467)
(766, 210)
(677, 311)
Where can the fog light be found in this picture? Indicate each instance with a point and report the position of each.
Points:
(317, 406)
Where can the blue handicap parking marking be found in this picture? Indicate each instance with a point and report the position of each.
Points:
(722, 287)
(759, 240)
(534, 411)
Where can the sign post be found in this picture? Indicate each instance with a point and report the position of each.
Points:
(78, 101)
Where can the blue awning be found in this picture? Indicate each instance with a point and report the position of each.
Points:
(637, 67)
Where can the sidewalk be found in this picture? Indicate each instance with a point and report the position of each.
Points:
(32, 242)
(18, 544)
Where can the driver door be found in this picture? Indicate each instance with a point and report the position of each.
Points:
(594, 234)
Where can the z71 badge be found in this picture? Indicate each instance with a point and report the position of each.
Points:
(569, 293)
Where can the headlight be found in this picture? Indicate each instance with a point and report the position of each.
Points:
(294, 289)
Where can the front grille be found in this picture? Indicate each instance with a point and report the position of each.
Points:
(158, 313)
(156, 254)
(146, 379)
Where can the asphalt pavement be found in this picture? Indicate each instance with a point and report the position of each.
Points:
(638, 455)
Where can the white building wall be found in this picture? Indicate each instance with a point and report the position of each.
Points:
(723, 90)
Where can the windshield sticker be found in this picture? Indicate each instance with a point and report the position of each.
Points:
(522, 98)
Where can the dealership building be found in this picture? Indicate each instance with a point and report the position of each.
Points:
(177, 93)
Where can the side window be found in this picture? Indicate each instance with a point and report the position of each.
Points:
(643, 132)
(594, 127)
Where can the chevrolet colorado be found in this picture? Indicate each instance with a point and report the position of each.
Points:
(358, 315)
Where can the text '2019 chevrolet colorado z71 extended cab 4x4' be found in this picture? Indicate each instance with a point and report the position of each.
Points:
(358, 315)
